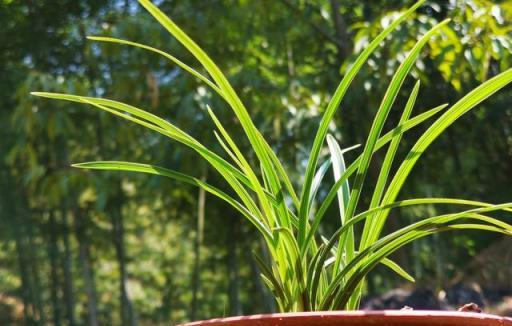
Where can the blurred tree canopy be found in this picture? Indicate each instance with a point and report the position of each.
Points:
(81, 248)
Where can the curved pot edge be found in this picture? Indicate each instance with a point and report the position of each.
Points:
(394, 314)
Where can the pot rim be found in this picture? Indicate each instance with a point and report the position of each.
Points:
(436, 314)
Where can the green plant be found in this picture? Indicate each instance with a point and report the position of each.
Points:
(308, 271)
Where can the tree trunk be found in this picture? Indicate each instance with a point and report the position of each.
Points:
(196, 275)
(165, 310)
(458, 168)
(85, 264)
(54, 275)
(67, 268)
(35, 268)
(235, 308)
(14, 216)
(26, 286)
(118, 238)
(61, 157)
(342, 39)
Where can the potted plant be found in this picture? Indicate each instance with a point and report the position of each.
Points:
(308, 274)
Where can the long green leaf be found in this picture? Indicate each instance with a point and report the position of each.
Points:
(397, 269)
(382, 113)
(153, 169)
(341, 232)
(282, 175)
(229, 173)
(332, 107)
(344, 295)
(163, 53)
(386, 262)
(450, 116)
(283, 215)
(421, 225)
(317, 181)
(388, 160)
(339, 168)
(353, 166)
(274, 284)
(383, 176)
(230, 96)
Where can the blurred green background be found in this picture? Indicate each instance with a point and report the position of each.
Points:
(104, 248)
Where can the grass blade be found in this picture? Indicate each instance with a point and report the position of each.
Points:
(339, 168)
(230, 174)
(388, 161)
(464, 105)
(352, 167)
(344, 295)
(397, 269)
(156, 170)
(426, 223)
(257, 142)
(382, 113)
(162, 53)
(317, 181)
(331, 109)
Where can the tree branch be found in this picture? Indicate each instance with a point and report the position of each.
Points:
(321, 31)
(342, 39)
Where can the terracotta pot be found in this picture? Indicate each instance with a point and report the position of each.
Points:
(362, 318)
